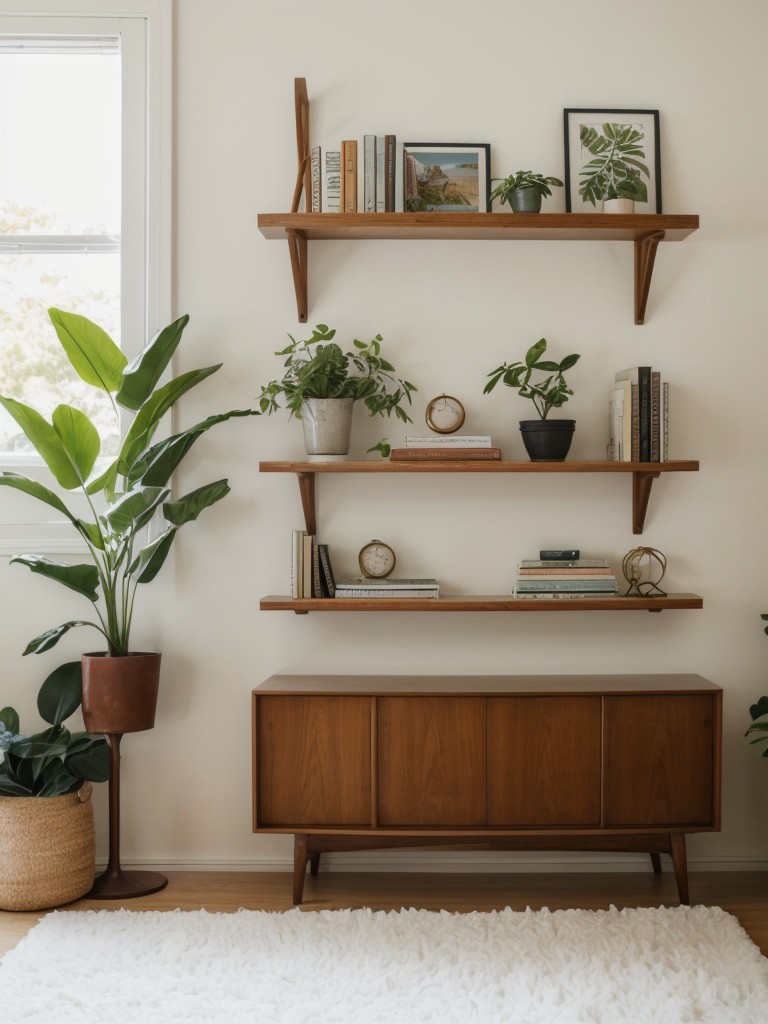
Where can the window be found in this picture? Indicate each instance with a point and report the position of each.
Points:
(84, 190)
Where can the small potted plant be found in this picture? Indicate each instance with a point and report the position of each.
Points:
(321, 383)
(524, 190)
(545, 440)
(614, 176)
(45, 800)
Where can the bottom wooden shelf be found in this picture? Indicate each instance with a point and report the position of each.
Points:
(479, 603)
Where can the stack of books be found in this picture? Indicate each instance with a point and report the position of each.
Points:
(447, 447)
(560, 578)
(638, 416)
(345, 180)
(362, 586)
(311, 570)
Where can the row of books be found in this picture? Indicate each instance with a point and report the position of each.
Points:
(565, 578)
(362, 586)
(446, 448)
(638, 416)
(311, 569)
(344, 181)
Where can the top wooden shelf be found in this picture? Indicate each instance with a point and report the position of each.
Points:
(644, 230)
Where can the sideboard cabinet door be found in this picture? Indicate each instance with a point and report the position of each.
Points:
(659, 760)
(544, 761)
(313, 761)
(431, 761)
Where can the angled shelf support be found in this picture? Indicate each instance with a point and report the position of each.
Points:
(645, 256)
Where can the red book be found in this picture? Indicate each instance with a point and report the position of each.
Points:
(444, 454)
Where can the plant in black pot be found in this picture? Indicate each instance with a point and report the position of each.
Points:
(123, 495)
(545, 440)
(321, 383)
(47, 845)
(524, 190)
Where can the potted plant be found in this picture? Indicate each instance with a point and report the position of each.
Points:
(321, 383)
(545, 440)
(45, 800)
(119, 685)
(524, 190)
(759, 714)
(614, 176)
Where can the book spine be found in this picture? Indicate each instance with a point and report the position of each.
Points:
(635, 423)
(559, 555)
(445, 454)
(644, 387)
(326, 569)
(315, 178)
(396, 594)
(564, 585)
(297, 550)
(349, 176)
(655, 416)
(665, 421)
(306, 565)
(390, 150)
(449, 441)
(369, 173)
(380, 173)
(573, 595)
(331, 201)
(558, 564)
(566, 574)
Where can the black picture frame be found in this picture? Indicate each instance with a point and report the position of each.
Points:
(576, 158)
(452, 180)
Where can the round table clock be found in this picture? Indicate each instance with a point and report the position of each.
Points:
(445, 414)
(376, 560)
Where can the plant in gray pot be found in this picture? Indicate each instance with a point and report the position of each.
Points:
(524, 190)
(321, 383)
(545, 440)
(120, 685)
(47, 841)
(614, 177)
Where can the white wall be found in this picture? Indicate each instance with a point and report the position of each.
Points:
(492, 71)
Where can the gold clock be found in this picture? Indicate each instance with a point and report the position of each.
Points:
(376, 560)
(445, 414)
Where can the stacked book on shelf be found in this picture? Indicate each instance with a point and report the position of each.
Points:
(311, 570)
(638, 416)
(447, 448)
(348, 176)
(362, 586)
(565, 578)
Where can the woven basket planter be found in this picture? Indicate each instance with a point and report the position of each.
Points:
(47, 849)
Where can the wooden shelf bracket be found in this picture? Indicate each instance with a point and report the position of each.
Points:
(641, 492)
(645, 256)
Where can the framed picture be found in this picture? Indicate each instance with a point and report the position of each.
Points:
(446, 177)
(611, 154)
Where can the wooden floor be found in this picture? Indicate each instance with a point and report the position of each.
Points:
(743, 894)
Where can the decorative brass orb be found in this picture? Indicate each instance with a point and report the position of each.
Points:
(644, 569)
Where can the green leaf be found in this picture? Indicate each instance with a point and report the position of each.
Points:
(34, 748)
(79, 437)
(95, 357)
(51, 637)
(10, 719)
(61, 693)
(140, 378)
(133, 511)
(45, 440)
(37, 490)
(535, 352)
(82, 578)
(188, 508)
(88, 757)
(150, 560)
(57, 781)
(10, 786)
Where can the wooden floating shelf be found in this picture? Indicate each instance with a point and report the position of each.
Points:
(479, 603)
(643, 475)
(644, 230)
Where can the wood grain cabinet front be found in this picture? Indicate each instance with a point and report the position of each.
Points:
(591, 763)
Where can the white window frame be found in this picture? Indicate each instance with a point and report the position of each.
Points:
(145, 27)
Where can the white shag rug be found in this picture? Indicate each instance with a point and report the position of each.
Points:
(666, 966)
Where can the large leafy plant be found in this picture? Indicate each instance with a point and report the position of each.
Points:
(549, 392)
(54, 761)
(523, 180)
(759, 713)
(318, 368)
(617, 168)
(129, 492)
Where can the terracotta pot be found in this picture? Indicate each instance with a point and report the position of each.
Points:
(120, 694)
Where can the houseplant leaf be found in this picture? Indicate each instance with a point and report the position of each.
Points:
(61, 693)
(79, 437)
(140, 378)
(150, 559)
(36, 490)
(88, 757)
(81, 578)
(51, 637)
(95, 357)
(46, 441)
(158, 464)
(188, 508)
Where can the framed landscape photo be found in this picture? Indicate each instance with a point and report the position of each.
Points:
(446, 177)
(611, 154)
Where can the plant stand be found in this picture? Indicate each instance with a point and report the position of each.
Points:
(114, 883)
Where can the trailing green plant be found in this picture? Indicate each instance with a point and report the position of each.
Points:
(617, 168)
(54, 761)
(551, 392)
(129, 492)
(759, 714)
(523, 180)
(318, 368)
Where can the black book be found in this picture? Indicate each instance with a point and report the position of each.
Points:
(327, 581)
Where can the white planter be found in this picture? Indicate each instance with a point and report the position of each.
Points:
(619, 206)
(327, 426)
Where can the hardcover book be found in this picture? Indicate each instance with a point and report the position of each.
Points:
(349, 176)
(326, 570)
(444, 454)
(369, 174)
(640, 377)
(448, 441)
(331, 193)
